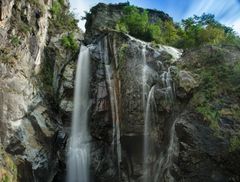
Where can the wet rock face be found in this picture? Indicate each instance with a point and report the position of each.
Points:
(181, 140)
(117, 101)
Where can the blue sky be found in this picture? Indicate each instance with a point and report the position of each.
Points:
(225, 11)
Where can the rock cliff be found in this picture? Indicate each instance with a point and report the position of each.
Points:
(192, 138)
(156, 112)
(30, 50)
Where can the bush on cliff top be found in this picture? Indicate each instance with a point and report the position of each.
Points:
(191, 32)
(63, 19)
(137, 24)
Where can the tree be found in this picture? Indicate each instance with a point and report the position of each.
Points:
(135, 22)
(211, 35)
(170, 33)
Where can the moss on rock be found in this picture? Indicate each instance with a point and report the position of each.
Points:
(8, 169)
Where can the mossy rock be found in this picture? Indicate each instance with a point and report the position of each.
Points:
(187, 80)
(8, 169)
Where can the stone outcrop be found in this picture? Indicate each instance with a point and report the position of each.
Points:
(104, 16)
(28, 118)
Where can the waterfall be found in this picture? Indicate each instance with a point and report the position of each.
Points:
(115, 115)
(146, 148)
(147, 97)
(116, 144)
(164, 161)
(79, 147)
(144, 77)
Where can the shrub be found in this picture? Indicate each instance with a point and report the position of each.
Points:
(62, 18)
(191, 32)
(69, 42)
(211, 35)
(234, 143)
(153, 33)
(56, 8)
(135, 21)
(211, 115)
(122, 56)
(15, 40)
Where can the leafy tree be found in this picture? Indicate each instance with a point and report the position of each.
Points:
(211, 35)
(153, 33)
(135, 22)
(170, 33)
(191, 32)
(206, 30)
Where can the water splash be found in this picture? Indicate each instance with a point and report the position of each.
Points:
(79, 147)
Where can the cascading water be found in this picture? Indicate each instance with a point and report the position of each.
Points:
(146, 149)
(114, 102)
(147, 98)
(152, 173)
(165, 158)
(144, 77)
(79, 147)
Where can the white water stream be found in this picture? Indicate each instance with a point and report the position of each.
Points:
(79, 147)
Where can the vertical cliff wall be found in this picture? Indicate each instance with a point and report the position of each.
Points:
(30, 52)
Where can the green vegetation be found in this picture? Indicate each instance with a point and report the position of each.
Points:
(62, 18)
(15, 41)
(191, 32)
(199, 30)
(137, 24)
(122, 56)
(210, 114)
(69, 42)
(23, 27)
(219, 83)
(234, 143)
(56, 8)
(8, 170)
